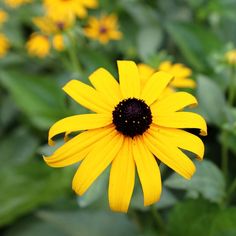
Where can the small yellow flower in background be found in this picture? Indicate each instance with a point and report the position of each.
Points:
(3, 16)
(16, 3)
(68, 8)
(132, 128)
(231, 57)
(54, 28)
(103, 29)
(180, 73)
(38, 45)
(4, 45)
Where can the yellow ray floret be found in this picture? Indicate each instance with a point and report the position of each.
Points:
(133, 128)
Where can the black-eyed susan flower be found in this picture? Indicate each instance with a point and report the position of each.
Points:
(38, 45)
(3, 16)
(4, 45)
(69, 8)
(180, 73)
(103, 29)
(131, 128)
(231, 57)
(51, 35)
(16, 3)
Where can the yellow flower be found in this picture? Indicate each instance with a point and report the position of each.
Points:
(231, 57)
(16, 3)
(131, 128)
(180, 73)
(103, 29)
(3, 16)
(4, 45)
(69, 8)
(38, 45)
(58, 42)
(50, 26)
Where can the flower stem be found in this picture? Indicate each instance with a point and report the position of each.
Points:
(224, 154)
(158, 220)
(72, 51)
(224, 147)
(232, 87)
(231, 190)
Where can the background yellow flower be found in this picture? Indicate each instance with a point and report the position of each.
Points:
(57, 9)
(16, 3)
(103, 29)
(4, 45)
(3, 16)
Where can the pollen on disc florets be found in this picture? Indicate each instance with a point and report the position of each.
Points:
(132, 117)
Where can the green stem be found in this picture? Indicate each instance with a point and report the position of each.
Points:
(232, 87)
(158, 220)
(224, 147)
(224, 154)
(72, 50)
(231, 190)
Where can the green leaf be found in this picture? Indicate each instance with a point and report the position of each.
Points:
(89, 223)
(97, 189)
(167, 199)
(211, 100)
(149, 40)
(26, 182)
(203, 218)
(194, 41)
(192, 218)
(38, 97)
(34, 227)
(208, 181)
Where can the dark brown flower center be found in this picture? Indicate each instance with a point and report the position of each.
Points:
(103, 30)
(132, 117)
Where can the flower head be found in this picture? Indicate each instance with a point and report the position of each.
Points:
(180, 73)
(69, 8)
(231, 57)
(131, 128)
(103, 29)
(51, 35)
(38, 45)
(4, 45)
(16, 3)
(3, 16)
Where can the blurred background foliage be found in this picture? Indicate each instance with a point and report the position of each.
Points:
(37, 200)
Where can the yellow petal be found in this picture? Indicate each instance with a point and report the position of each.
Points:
(145, 72)
(181, 120)
(155, 86)
(165, 66)
(129, 79)
(169, 154)
(77, 148)
(173, 102)
(105, 83)
(97, 161)
(78, 122)
(148, 171)
(182, 139)
(122, 176)
(87, 96)
(183, 83)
